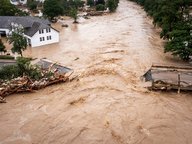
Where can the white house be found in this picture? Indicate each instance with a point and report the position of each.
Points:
(16, 2)
(37, 31)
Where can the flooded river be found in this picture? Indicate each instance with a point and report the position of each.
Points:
(108, 104)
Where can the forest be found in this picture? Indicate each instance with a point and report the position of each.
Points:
(175, 19)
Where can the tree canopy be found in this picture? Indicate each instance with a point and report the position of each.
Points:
(52, 8)
(32, 4)
(7, 9)
(112, 5)
(18, 40)
(173, 16)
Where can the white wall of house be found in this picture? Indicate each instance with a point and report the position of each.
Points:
(40, 0)
(44, 38)
(40, 39)
(23, 1)
(5, 30)
(16, 2)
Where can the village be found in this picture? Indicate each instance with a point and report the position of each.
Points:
(92, 76)
(30, 32)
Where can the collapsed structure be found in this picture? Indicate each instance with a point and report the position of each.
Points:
(166, 77)
(58, 72)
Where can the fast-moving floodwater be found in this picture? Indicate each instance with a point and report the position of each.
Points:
(108, 104)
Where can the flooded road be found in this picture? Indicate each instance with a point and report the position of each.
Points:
(108, 103)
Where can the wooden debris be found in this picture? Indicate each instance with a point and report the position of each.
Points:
(2, 100)
(26, 84)
(64, 25)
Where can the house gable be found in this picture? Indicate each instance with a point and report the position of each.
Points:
(37, 31)
(44, 36)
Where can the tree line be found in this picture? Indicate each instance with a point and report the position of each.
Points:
(53, 8)
(174, 17)
(7, 9)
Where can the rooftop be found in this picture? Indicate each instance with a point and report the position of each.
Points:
(31, 24)
(47, 64)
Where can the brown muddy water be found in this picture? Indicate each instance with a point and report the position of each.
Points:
(108, 103)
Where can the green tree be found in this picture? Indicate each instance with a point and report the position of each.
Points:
(78, 3)
(18, 40)
(100, 2)
(7, 9)
(181, 41)
(112, 5)
(174, 18)
(66, 7)
(22, 67)
(100, 7)
(73, 14)
(32, 4)
(52, 8)
(90, 2)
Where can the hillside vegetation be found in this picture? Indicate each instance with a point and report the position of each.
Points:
(174, 17)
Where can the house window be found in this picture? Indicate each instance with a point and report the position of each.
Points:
(48, 30)
(29, 41)
(42, 39)
(41, 31)
(48, 37)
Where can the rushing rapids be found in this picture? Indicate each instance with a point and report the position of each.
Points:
(108, 104)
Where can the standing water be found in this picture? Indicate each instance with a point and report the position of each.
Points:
(108, 103)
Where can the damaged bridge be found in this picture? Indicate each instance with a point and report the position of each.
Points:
(167, 77)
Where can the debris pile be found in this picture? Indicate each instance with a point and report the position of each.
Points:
(26, 84)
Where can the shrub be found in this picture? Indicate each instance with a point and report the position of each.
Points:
(100, 2)
(8, 72)
(6, 57)
(100, 7)
(33, 6)
(90, 2)
(112, 5)
(21, 68)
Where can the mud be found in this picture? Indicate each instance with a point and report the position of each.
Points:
(108, 103)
